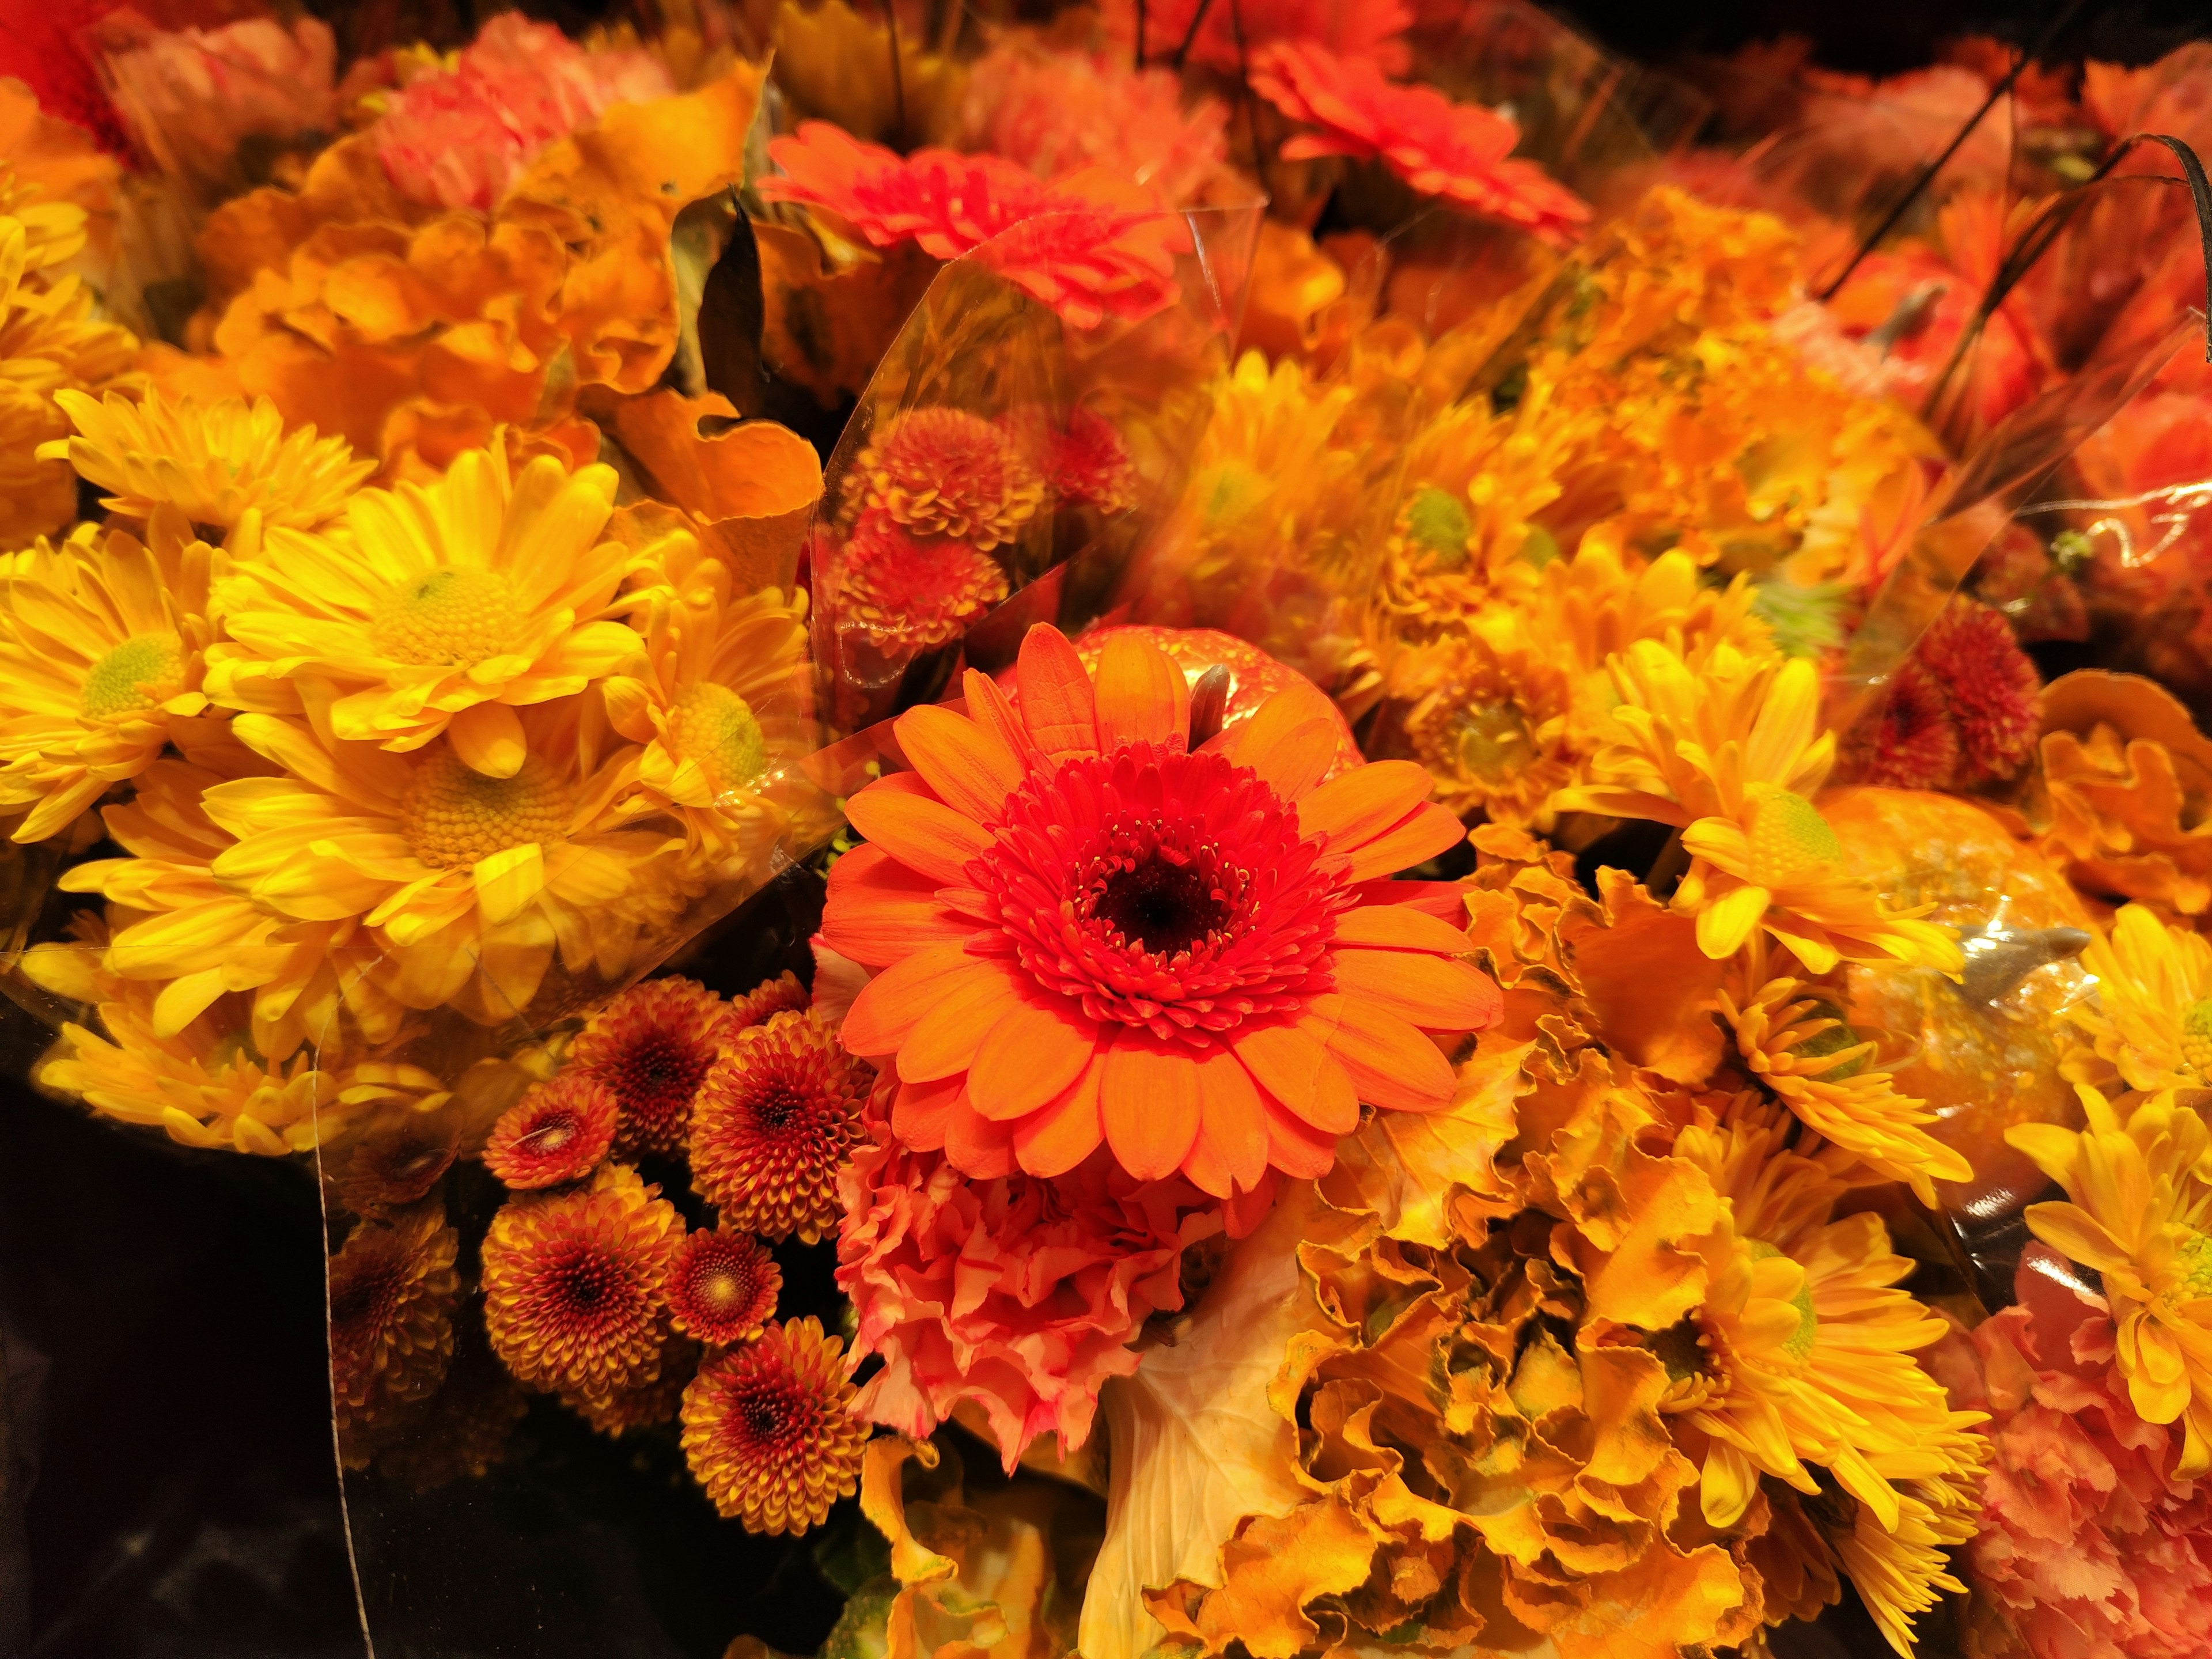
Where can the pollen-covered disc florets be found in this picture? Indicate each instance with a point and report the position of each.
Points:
(559, 1131)
(769, 1428)
(723, 1287)
(653, 1047)
(777, 1118)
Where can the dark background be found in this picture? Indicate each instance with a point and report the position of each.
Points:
(183, 1498)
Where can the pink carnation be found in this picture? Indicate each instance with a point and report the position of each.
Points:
(2088, 1540)
(1058, 112)
(458, 139)
(1020, 1294)
(189, 96)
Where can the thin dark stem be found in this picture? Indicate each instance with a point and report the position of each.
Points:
(1190, 35)
(1926, 176)
(1244, 88)
(898, 76)
(1140, 37)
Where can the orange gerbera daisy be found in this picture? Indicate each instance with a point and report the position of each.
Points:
(1090, 932)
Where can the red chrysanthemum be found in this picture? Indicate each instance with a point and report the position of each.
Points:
(396, 1161)
(1084, 461)
(559, 1132)
(393, 1289)
(575, 1284)
(943, 471)
(723, 1287)
(894, 588)
(1991, 686)
(777, 1118)
(652, 1048)
(771, 997)
(1020, 1294)
(1089, 248)
(1455, 151)
(1371, 30)
(770, 1431)
(1916, 744)
(648, 1404)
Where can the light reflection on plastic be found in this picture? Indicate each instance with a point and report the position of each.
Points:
(2183, 499)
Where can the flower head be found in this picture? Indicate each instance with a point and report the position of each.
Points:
(942, 471)
(559, 1132)
(2140, 1215)
(444, 608)
(399, 1155)
(575, 1283)
(771, 997)
(770, 1431)
(1086, 462)
(1057, 113)
(1916, 744)
(895, 588)
(651, 1047)
(1991, 688)
(393, 1290)
(2149, 1024)
(1456, 151)
(645, 1405)
(1365, 30)
(777, 1119)
(723, 1287)
(1090, 933)
(213, 463)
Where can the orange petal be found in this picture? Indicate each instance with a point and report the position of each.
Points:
(1391, 1063)
(988, 707)
(960, 1017)
(1295, 1067)
(1230, 1152)
(1055, 1140)
(1384, 927)
(920, 1112)
(978, 1148)
(1433, 992)
(1298, 1150)
(880, 912)
(927, 836)
(1444, 900)
(971, 766)
(1142, 695)
(1029, 1058)
(1415, 839)
(882, 1016)
(1294, 762)
(1250, 742)
(1058, 706)
(1363, 802)
(1148, 1099)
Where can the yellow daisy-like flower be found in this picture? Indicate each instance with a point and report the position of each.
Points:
(1792, 1037)
(215, 463)
(100, 646)
(2150, 1026)
(1491, 730)
(470, 883)
(1801, 1359)
(446, 608)
(717, 701)
(1731, 752)
(2141, 1216)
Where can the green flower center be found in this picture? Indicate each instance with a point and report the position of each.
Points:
(1799, 1347)
(1494, 741)
(145, 670)
(1437, 520)
(2197, 1263)
(1834, 1040)
(449, 618)
(2196, 1037)
(454, 816)
(1789, 837)
(713, 725)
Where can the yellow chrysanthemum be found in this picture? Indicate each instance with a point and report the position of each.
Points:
(215, 463)
(444, 608)
(717, 702)
(100, 645)
(1801, 1363)
(1730, 753)
(469, 883)
(1493, 730)
(1792, 1037)
(2142, 1217)
(2150, 1026)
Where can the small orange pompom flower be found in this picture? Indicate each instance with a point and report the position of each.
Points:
(1088, 932)
(943, 471)
(559, 1132)
(723, 1287)
(393, 1289)
(652, 1045)
(893, 586)
(575, 1284)
(769, 1428)
(767, 1000)
(777, 1118)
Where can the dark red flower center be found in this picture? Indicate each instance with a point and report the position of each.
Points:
(654, 1079)
(1160, 889)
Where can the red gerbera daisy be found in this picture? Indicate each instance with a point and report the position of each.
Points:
(1995, 694)
(942, 471)
(769, 1428)
(1090, 247)
(651, 1047)
(1455, 151)
(393, 1289)
(575, 1284)
(723, 1287)
(559, 1132)
(1917, 744)
(1221, 35)
(892, 586)
(777, 1118)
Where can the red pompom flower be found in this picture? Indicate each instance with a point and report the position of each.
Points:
(723, 1287)
(652, 1047)
(559, 1132)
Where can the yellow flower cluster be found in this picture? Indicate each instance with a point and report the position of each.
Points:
(472, 748)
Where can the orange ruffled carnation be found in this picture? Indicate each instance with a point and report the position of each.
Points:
(559, 1132)
(1456, 151)
(652, 1047)
(770, 1430)
(1089, 934)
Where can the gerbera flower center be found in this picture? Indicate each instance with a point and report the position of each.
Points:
(145, 670)
(448, 618)
(454, 816)
(2196, 1037)
(1789, 837)
(713, 725)
(1495, 743)
(1163, 890)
